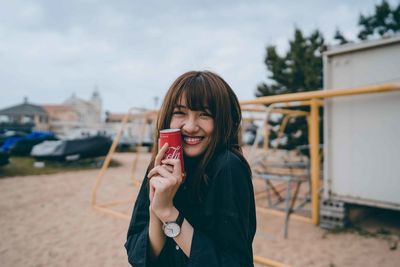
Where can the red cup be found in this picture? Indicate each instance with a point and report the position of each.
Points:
(175, 149)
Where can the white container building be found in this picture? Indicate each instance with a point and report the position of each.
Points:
(362, 132)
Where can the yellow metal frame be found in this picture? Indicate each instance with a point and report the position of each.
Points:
(314, 98)
(287, 98)
(268, 262)
(273, 109)
(106, 207)
(289, 113)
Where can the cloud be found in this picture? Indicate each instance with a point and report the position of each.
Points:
(133, 50)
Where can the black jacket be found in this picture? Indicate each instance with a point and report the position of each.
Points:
(224, 222)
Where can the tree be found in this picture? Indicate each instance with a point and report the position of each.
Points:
(340, 37)
(385, 20)
(299, 70)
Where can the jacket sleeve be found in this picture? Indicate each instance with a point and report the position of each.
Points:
(233, 220)
(138, 244)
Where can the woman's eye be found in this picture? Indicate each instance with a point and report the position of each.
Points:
(205, 114)
(178, 112)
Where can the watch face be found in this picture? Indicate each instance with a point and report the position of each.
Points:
(172, 229)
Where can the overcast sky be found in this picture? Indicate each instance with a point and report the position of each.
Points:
(132, 50)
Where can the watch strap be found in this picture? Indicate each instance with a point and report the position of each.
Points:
(180, 219)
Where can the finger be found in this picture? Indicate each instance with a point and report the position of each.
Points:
(153, 171)
(177, 168)
(152, 189)
(164, 173)
(160, 154)
(166, 176)
(162, 170)
(169, 168)
(151, 192)
(158, 183)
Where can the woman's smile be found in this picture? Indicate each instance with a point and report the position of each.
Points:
(192, 140)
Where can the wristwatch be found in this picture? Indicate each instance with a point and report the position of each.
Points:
(173, 229)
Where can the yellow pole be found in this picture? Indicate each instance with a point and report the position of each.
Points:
(273, 212)
(138, 152)
(323, 94)
(314, 153)
(112, 212)
(268, 262)
(273, 110)
(266, 136)
(281, 130)
(108, 158)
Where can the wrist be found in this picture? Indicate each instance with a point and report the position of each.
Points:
(168, 215)
(154, 218)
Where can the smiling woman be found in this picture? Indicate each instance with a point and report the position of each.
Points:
(209, 218)
(197, 127)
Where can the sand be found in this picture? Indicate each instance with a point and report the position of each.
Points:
(48, 221)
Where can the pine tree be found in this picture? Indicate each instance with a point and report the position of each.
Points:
(385, 20)
(299, 70)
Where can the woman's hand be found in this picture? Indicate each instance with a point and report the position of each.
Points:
(165, 179)
(157, 162)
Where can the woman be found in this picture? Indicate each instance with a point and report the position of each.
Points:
(208, 218)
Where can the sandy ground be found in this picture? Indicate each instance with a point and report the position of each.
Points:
(48, 221)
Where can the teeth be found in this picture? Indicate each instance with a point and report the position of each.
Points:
(192, 139)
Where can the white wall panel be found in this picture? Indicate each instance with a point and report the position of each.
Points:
(362, 133)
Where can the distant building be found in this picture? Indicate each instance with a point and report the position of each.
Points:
(89, 112)
(75, 113)
(62, 118)
(24, 117)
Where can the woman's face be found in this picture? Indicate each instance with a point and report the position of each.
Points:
(196, 126)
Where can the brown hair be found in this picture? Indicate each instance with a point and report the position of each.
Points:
(204, 89)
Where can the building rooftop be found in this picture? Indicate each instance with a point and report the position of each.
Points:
(23, 109)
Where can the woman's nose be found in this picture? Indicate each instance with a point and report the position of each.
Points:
(190, 125)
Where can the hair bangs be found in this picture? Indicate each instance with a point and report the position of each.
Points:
(199, 94)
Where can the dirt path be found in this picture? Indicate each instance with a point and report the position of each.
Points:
(48, 221)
